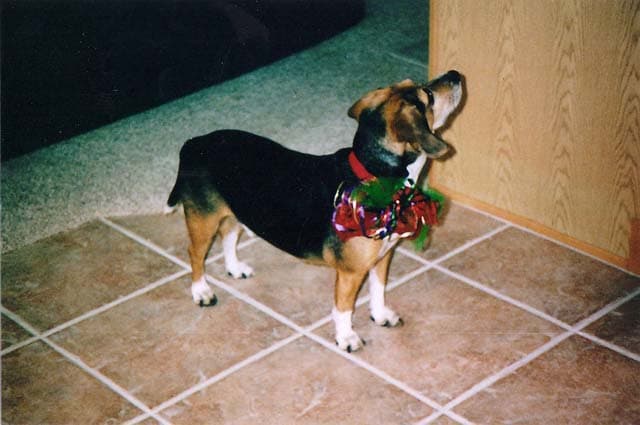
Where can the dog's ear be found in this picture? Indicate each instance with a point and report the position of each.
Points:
(370, 100)
(376, 98)
(409, 125)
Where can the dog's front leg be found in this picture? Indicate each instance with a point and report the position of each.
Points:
(380, 313)
(346, 290)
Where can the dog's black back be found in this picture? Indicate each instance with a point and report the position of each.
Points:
(254, 174)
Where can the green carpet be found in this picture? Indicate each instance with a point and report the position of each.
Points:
(129, 167)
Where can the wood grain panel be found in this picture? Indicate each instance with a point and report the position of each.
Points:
(550, 130)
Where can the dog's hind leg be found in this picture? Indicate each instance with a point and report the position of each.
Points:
(202, 228)
(230, 230)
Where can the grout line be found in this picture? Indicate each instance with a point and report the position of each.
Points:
(607, 309)
(19, 345)
(481, 212)
(254, 303)
(125, 298)
(532, 310)
(241, 245)
(307, 332)
(217, 377)
(24, 325)
(574, 249)
(96, 311)
(77, 361)
(374, 370)
(440, 410)
(11, 315)
(547, 238)
(161, 251)
(611, 346)
(471, 243)
(573, 330)
(505, 298)
(110, 305)
(438, 414)
(104, 380)
(460, 419)
(142, 241)
(490, 380)
(454, 251)
(435, 264)
(279, 317)
(364, 299)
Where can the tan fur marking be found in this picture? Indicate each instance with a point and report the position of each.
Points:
(358, 256)
(202, 228)
(392, 114)
(370, 100)
(228, 224)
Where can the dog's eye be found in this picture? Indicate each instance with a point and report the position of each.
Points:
(413, 99)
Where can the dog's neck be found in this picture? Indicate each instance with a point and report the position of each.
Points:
(415, 168)
(412, 171)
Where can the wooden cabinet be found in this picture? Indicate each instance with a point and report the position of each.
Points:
(549, 135)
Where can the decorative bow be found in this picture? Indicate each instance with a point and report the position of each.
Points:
(377, 208)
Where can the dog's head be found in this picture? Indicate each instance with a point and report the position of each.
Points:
(397, 123)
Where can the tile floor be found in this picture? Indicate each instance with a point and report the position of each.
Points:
(501, 326)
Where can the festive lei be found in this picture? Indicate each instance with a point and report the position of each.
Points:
(382, 206)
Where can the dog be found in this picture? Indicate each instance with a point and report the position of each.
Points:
(229, 179)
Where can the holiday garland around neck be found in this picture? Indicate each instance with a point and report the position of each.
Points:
(382, 206)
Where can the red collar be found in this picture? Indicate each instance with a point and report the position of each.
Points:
(359, 169)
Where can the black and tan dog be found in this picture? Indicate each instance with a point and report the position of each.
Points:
(229, 177)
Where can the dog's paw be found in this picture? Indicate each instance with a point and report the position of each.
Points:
(386, 317)
(350, 342)
(239, 270)
(203, 294)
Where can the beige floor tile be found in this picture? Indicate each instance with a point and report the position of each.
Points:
(547, 276)
(577, 382)
(302, 383)
(12, 333)
(41, 387)
(169, 232)
(56, 279)
(159, 344)
(458, 226)
(300, 291)
(453, 336)
(621, 326)
(444, 420)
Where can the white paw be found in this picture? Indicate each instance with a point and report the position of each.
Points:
(239, 270)
(346, 338)
(203, 294)
(349, 342)
(386, 317)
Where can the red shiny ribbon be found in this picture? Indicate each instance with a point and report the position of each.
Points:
(410, 210)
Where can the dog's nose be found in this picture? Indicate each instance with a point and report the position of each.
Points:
(453, 76)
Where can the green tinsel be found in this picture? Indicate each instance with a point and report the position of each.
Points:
(378, 194)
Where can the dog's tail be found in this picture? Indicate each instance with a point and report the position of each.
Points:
(175, 197)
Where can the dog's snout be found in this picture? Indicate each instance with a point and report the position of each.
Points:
(450, 78)
(453, 76)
